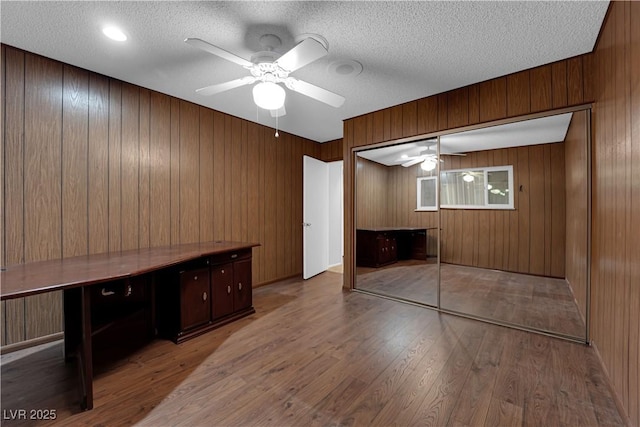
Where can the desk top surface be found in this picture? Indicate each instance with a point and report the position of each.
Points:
(32, 278)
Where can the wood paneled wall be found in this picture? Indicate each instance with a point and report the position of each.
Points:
(529, 239)
(372, 194)
(615, 267)
(331, 151)
(560, 84)
(93, 164)
(577, 175)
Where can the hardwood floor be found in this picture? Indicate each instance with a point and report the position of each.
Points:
(533, 301)
(314, 354)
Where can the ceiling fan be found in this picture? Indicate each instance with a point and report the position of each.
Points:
(268, 69)
(428, 158)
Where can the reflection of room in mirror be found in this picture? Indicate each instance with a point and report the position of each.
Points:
(512, 221)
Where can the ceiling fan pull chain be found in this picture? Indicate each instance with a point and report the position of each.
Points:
(277, 135)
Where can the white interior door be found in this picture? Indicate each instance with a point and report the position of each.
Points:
(315, 214)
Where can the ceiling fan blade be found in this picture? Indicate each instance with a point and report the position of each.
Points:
(413, 162)
(305, 52)
(208, 47)
(315, 92)
(279, 112)
(221, 87)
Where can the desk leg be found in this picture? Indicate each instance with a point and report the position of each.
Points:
(77, 339)
(86, 356)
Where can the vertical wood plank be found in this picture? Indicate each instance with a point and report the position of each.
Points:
(115, 165)
(518, 94)
(160, 182)
(144, 184)
(130, 167)
(524, 192)
(242, 196)
(541, 95)
(13, 89)
(474, 104)
(230, 129)
(14, 151)
(514, 221)
(218, 175)
(537, 199)
(42, 184)
(378, 126)
(458, 107)
(271, 215)
(547, 207)
(427, 111)
(189, 173)
(558, 210)
(409, 119)
(559, 84)
(253, 202)
(396, 122)
(98, 167)
(206, 175)
(175, 171)
(493, 99)
(442, 111)
(575, 81)
(74, 161)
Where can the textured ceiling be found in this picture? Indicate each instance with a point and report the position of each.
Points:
(408, 50)
(544, 130)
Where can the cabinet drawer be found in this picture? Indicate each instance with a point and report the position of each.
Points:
(230, 256)
(119, 292)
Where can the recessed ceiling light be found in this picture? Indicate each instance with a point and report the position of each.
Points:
(114, 33)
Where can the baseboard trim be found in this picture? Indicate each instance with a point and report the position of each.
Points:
(9, 348)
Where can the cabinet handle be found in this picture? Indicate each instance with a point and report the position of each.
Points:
(195, 277)
(228, 289)
(239, 286)
(234, 256)
(128, 291)
(222, 271)
(106, 293)
(204, 296)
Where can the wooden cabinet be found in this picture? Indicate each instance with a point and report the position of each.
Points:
(231, 284)
(377, 247)
(207, 293)
(195, 305)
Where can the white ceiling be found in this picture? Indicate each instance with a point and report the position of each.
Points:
(408, 50)
(544, 130)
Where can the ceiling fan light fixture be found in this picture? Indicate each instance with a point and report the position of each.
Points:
(269, 95)
(428, 165)
(468, 178)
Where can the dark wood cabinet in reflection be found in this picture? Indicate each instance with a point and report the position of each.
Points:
(376, 247)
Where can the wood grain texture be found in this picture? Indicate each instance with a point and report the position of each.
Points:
(576, 198)
(124, 167)
(130, 167)
(160, 170)
(493, 99)
(541, 88)
(518, 94)
(614, 268)
(98, 164)
(383, 364)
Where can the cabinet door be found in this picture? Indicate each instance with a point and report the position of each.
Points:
(195, 307)
(222, 288)
(242, 283)
(392, 246)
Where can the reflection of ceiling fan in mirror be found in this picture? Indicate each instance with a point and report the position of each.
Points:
(268, 69)
(428, 159)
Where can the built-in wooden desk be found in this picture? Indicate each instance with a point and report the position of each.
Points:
(380, 246)
(193, 288)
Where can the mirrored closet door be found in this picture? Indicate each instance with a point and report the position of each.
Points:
(397, 221)
(514, 209)
(512, 206)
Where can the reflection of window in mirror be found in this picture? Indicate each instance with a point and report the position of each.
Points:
(427, 193)
(479, 188)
